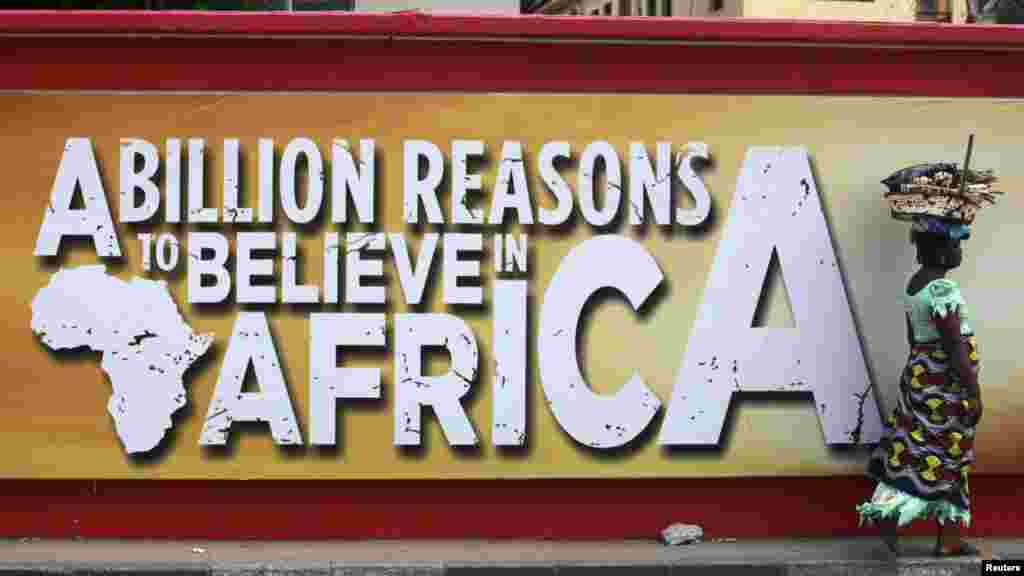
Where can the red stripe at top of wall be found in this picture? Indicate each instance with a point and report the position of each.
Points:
(413, 52)
(456, 25)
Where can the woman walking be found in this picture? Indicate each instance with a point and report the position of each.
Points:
(922, 462)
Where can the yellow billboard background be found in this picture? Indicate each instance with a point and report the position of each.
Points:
(53, 419)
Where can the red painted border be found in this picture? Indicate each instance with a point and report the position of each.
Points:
(109, 63)
(570, 509)
(296, 52)
(456, 25)
(410, 51)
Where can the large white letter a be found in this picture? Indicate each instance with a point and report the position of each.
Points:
(776, 206)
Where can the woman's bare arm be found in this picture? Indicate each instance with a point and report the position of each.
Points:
(910, 331)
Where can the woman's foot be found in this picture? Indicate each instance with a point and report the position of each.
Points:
(949, 542)
(960, 549)
(887, 530)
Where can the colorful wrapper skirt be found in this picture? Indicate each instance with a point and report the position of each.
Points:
(927, 448)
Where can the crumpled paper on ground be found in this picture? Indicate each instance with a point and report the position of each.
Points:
(678, 534)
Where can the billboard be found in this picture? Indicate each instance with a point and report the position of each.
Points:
(410, 285)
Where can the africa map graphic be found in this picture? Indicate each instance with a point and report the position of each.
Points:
(145, 343)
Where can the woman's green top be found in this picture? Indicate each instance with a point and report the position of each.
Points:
(938, 297)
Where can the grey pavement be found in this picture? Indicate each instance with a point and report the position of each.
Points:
(455, 557)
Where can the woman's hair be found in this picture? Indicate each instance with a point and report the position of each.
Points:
(934, 249)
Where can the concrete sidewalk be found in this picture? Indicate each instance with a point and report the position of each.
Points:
(399, 557)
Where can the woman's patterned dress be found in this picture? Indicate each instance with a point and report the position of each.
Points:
(922, 461)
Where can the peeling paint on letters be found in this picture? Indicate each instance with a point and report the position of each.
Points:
(509, 396)
(250, 343)
(603, 421)
(443, 393)
(821, 354)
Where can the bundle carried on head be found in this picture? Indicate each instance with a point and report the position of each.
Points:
(940, 190)
(934, 190)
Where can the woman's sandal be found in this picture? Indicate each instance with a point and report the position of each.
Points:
(964, 549)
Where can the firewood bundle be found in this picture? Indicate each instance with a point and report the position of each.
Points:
(938, 190)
